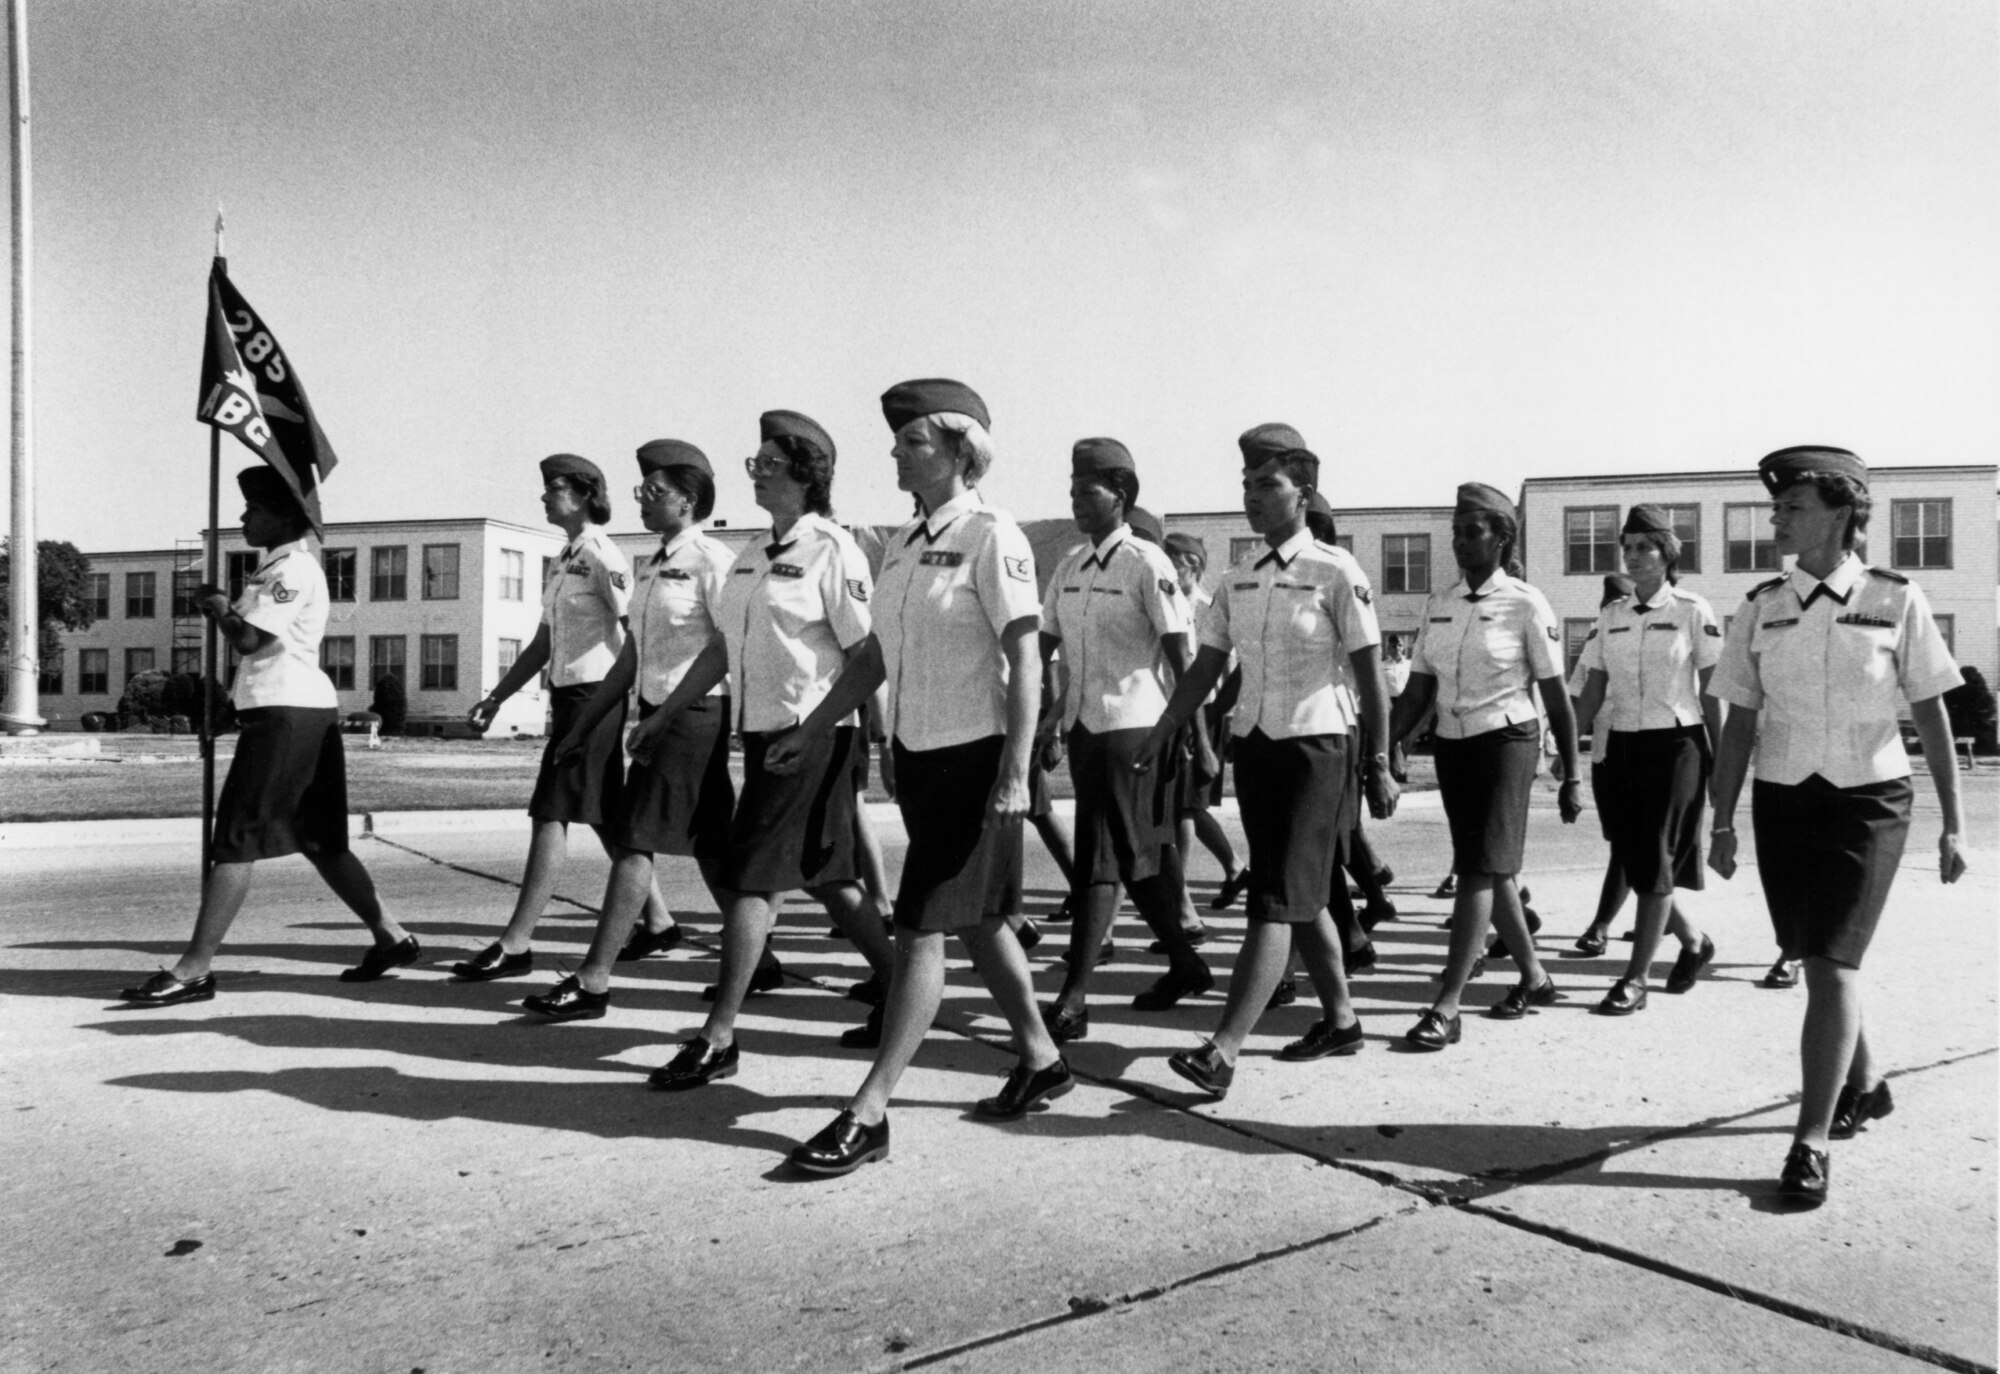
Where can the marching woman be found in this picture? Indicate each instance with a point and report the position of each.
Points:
(1115, 611)
(286, 792)
(1201, 788)
(1811, 671)
(677, 795)
(792, 636)
(1647, 664)
(956, 626)
(1300, 619)
(580, 637)
(1487, 646)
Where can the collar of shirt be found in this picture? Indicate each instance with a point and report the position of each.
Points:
(1660, 598)
(1287, 551)
(1839, 584)
(669, 547)
(1499, 581)
(936, 522)
(1101, 553)
(277, 555)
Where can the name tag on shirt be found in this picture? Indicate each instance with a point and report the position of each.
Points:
(941, 558)
(1440, 620)
(1670, 629)
(745, 572)
(675, 574)
(1779, 624)
(1244, 586)
(1109, 591)
(1619, 630)
(1068, 590)
(1871, 621)
(787, 570)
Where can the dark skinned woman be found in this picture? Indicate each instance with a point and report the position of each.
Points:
(1487, 646)
(1813, 667)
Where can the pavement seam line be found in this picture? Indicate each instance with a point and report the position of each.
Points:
(1770, 1302)
(1124, 1301)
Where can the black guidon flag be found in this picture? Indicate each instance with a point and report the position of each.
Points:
(250, 389)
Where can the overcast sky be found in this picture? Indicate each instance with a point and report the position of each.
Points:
(1446, 240)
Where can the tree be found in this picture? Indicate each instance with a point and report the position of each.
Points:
(61, 592)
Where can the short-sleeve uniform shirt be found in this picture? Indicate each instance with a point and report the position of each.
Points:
(1487, 649)
(584, 607)
(951, 582)
(1823, 665)
(1652, 654)
(286, 598)
(1293, 614)
(789, 611)
(1109, 605)
(674, 597)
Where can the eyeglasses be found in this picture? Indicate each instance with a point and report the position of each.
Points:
(757, 465)
(644, 494)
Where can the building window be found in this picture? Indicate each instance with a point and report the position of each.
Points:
(241, 567)
(186, 604)
(1239, 549)
(339, 566)
(1747, 545)
(440, 572)
(389, 574)
(141, 590)
(186, 658)
(1948, 627)
(1406, 562)
(385, 659)
(1921, 532)
(93, 672)
(513, 575)
(1344, 541)
(97, 591)
(336, 660)
(440, 663)
(1687, 528)
(48, 681)
(1575, 633)
(510, 654)
(137, 661)
(1591, 534)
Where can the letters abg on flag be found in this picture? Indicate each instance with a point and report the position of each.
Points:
(248, 388)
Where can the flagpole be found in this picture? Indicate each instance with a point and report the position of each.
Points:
(211, 669)
(22, 715)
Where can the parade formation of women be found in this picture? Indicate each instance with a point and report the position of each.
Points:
(964, 672)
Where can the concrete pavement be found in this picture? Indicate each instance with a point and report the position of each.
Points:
(410, 1175)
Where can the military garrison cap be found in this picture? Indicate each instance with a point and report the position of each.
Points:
(1262, 443)
(1146, 525)
(1781, 469)
(773, 424)
(1647, 519)
(657, 455)
(1476, 498)
(569, 465)
(907, 401)
(1088, 457)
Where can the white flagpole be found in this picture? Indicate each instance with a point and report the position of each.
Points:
(22, 716)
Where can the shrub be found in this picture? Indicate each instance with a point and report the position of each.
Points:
(1972, 711)
(390, 703)
(145, 697)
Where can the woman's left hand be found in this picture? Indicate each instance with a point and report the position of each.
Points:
(1951, 863)
(784, 755)
(1569, 801)
(1009, 800)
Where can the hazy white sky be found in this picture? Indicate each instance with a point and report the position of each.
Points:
(1446, 240)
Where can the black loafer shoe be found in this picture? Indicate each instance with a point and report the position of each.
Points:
(1783, 974)
(643, 942)
(1197, 936)
(1023, 1089)
(767, 978)
(1808, 1172)
(871, 990)
(1061, 913)
(1359, 960)
(1375, 913)
(1689, 966)
(1433, 1031)
(1029, 934)
(1104, 955)
(164, 990)
(1322, 1040)
(568, 1001)
(1591, 943)
(842, 1147)
(695, 1065)
(1624, 998)
(381, 958)
(1064, 1026)
(867, 1035)
(1384, 876)
(1855, 1110)
(1232, 888)
(1283, 995)
(1172, 987)
(1518, 1000)
(1447, 888)
(1204, 1068)
(493, 962)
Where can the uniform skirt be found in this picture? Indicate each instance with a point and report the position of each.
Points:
(1297, 799)
(1192, 794)
(286, 792)
(590, 788)
(1826, 856)
(794, 831)
(1486, 781)
(681, 801)
(1650, 788)
(1123, 817)
(957, 868)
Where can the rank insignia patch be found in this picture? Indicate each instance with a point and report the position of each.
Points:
(618, 580)
(857, 589)
(280, 593)
(1017, 568)
(1364, 595)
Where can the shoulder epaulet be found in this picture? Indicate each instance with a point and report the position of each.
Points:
(1763, 587)
(1888, 576)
